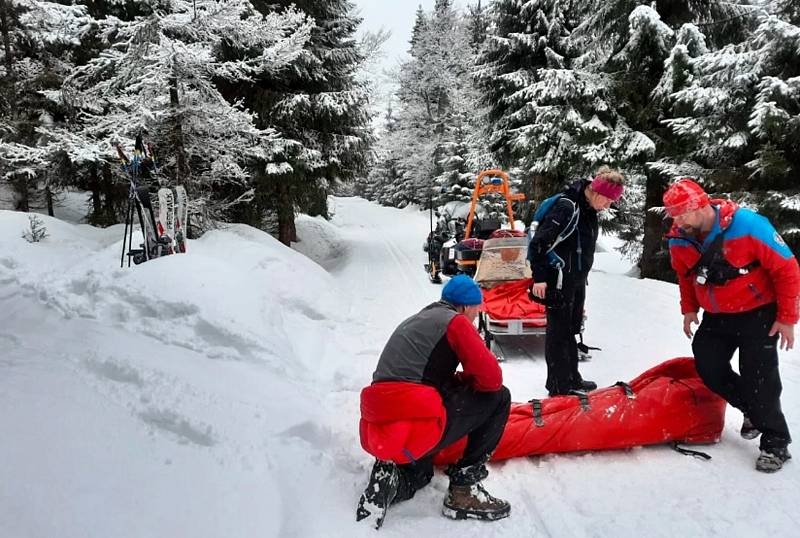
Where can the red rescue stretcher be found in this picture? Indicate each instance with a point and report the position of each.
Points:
(668, 403)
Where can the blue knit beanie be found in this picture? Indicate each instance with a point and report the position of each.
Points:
(462, 290)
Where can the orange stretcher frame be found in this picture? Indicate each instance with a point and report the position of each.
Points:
(490, 187)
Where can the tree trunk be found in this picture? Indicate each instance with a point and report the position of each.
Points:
(182, 169)
(48, 196)
(94, 185)
(5, 30)
(286, 228)
(655, 261)
(21, 194)
(110, 196)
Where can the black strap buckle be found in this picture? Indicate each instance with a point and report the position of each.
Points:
(627, 388)
(583, 397)
(537, 412)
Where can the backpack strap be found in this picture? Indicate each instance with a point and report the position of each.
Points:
(712, 267)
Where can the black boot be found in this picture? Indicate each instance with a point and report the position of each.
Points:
(748, 431)
(380, 492)
(586, 386)
(771, 460)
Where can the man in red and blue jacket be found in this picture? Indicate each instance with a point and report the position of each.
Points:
(418, 404)
(732, 263)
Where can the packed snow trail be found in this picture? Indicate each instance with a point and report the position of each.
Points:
(637, 324)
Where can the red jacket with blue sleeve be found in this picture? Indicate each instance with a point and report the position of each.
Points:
(749, 240)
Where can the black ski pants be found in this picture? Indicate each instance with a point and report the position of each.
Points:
(756, 389)
(564, 320)
(481, 416)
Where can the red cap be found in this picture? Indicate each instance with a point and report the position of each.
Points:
(683, 196)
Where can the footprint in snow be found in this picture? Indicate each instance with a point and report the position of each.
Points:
(172, 423)
(115, 371)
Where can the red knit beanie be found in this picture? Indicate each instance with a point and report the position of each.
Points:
(683, 196)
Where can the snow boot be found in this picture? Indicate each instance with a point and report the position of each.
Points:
(771, 460)
(475, 502)
(586, 386)
(467, 498)
(380, 492)
(748, 431)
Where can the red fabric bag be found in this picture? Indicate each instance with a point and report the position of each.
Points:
(401, 421)
(668, 403)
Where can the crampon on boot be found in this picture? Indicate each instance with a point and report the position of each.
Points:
(379, 494)
(771, 460)
(467, 498)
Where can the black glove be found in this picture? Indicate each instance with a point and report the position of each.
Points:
(553, 298)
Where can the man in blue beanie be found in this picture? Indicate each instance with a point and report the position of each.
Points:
(418, 404)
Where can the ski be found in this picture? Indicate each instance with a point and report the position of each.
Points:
(140, 206)
(181, 216)
(166, 218)
(152, 246)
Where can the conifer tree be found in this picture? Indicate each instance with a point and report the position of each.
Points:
(157, 76)
(321, 108)
(38, 39)
(741, 114)
(437, 119)
(631, 42)
(546, 119)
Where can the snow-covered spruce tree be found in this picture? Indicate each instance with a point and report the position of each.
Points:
(603, 28)
(157, 76)
(410, 141)
(438, 112)
(38, 39)
(477, 21)
(383, 184)
(322, 109)
(788, 10)
(545, 119)
(630, 42)
(636, 69)
(741, 113)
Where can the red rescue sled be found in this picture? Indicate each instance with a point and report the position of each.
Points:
(666, 403)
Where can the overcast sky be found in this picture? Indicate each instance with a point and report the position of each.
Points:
(397, 16)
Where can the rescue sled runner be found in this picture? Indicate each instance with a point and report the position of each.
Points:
(668, 403)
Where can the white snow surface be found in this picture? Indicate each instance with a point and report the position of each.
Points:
(216, 394)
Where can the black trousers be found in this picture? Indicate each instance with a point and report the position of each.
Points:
(756, 390)
(481, 416)
(564, 320)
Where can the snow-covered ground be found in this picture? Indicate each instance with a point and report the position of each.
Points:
(215, 394)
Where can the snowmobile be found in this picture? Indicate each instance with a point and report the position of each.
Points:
(455, 245)
(450, 228)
